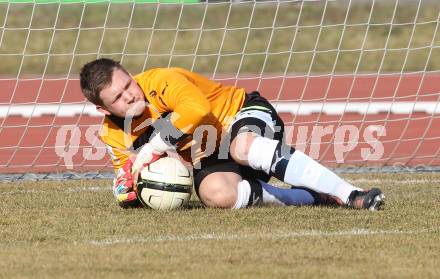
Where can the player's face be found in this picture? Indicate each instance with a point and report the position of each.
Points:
(124, 97)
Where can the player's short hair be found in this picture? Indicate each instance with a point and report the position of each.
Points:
(95, 76)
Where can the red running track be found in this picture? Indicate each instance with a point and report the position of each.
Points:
(29, 144)
(359, 88)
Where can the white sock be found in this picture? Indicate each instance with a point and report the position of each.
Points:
(257, 192)
(304, 171)
(296, 168)
(243, 194)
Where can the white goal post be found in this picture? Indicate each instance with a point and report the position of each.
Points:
(357, 82)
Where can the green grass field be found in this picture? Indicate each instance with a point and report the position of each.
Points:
(74, 229)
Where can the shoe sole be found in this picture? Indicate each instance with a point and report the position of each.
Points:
(378, 203)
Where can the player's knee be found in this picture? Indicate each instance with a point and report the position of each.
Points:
(219, 194)
(219, 197)
(254, 151)
(240, 147)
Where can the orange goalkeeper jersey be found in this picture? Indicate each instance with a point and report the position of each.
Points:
(192, 100)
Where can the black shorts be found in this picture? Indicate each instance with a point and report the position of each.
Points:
(253, 103)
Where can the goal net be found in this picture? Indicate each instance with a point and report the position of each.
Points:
(357, 82)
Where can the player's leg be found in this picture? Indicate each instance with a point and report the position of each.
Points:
(223, 186)
(255, 143)
(219, 189)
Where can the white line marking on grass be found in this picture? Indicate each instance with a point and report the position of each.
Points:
(271, 236)
(66, 190)
(88, 189)
(392, 181)
(27, 191)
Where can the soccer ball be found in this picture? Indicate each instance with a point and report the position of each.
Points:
(165, 184)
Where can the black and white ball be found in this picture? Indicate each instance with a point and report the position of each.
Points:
(165, 184)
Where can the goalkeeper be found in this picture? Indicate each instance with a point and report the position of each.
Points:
(233, 139)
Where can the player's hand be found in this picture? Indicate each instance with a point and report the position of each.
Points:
(123, 184)
(145, 157)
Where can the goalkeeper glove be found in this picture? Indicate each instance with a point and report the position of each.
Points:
(145, 157)
(123, 185)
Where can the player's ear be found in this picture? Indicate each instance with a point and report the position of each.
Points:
(102, 110)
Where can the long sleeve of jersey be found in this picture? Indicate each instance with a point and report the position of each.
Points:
(170, 91)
